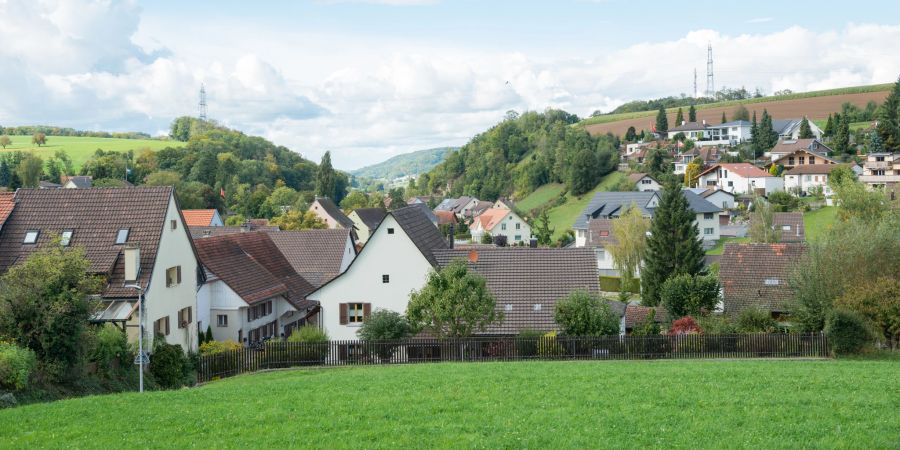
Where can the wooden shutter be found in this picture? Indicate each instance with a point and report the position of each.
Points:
(190, 317)
(343, 308)
(367, 309)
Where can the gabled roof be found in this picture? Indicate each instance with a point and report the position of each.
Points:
(708, 192)
(525, 277)
(492, 217)
(7, 202)
(315, 254)
(332, 210)
(790, 146)
(783, 126)
(698, 204)
(794, 221)
(198, 217)
(44, 184)
(95, 216)
(745, 170)
(253, 267)
(461, 203)
(636, 315)
(600, 233)
(757, 275)
(813, 169)
(480, 208)
(427, 211)
(80, 182)
(420, 230)
(734, 123)
(609, 204)
(688, 126)
(637, 176)
(371, 217)
(445, 217)
(446, 204)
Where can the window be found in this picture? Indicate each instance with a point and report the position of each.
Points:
(801, 159)
(731, 184)
(385, 278)
(503, 226)
(65, 238)
(879, 158)
(161, 326)
(260, 310)
(604, 233)
(808, 178)
(537, 306)
(173, 276)
(518, 226)
(355, 313)
(785, 228)
(222, 320)
(790, 160)
(812, 159)
(122, 236)
(707, 231)
(184, 317)
(174, 224)
(31, 236)
(508, 307)
(646, 181)
(518, 237)
(708, 216)
(390, 231)
(600, 253)
(771, 282)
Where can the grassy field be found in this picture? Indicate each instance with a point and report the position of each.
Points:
(629, 404)
(563, 216)
(812, 94)
(539, 197)
(818, 221)
(80, 149)
(720, 246)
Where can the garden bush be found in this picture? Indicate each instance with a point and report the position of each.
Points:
(110, 350)
(685, 325)
(754, 320)
(384, 325)
(584, 314)
(217, 347)
(169, 365)
(613, 284)
(847, 332)
(16, 366)
(717, 324)
(316, 340)
(527, 343)
(689, 295)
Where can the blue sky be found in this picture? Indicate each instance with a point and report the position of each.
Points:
(371, 79)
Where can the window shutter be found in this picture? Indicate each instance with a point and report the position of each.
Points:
(343, 308)
(190, 317)
(167, 325)
(178, 270)
(367, 309)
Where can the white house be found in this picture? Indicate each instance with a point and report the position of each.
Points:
(394, 262)
(644, 182)
(365, 220)
(501, 222)
(326, 210)
(105, 222)
(801, 179)
(251, 291)
(704, 134)
(740, 178)
(790, 128)
(202, 218)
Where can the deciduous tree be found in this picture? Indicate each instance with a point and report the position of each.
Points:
(298, 220)
(762, 223)
(5, 141)
(630, 246)
(453, 303)
(39, 139)
(690, 295)
(585, 314)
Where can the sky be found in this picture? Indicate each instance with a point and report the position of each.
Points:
(370, 79)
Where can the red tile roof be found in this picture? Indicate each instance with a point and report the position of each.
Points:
(756, 276)
(490, 218)
(7, 202)
(198, 217)
(794, 222)
(445, 217)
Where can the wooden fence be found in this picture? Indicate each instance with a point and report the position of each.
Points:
(274, 355)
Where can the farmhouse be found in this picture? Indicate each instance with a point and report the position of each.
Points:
(326, 210)
(757, 275)
(501, 222)
(740, 178)
(106, 222)
(202, 218)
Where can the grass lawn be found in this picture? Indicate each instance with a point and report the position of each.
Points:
(80, 149)
(720, 246)
(627, 404)
(818, 221)
(563, 216)
(540, 197)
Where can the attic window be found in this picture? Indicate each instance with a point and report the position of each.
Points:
(122, 236)
(786, 228)
(771, 282)
(604, 233)
(537, 306)
(65, 238)
(31, 236)
(390, 231)
(508, 307)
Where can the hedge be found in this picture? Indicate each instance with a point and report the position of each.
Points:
(611, 284)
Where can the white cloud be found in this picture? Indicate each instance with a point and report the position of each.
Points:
(367, 98)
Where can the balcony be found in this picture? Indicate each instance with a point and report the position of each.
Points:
(877, 165)
(878, 179)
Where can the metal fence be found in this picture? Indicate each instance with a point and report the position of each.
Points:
(274, 355)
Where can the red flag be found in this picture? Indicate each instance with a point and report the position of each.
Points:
(222, 192)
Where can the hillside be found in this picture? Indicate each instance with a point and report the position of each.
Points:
(816, 105)
(413, 163)
(80, 149)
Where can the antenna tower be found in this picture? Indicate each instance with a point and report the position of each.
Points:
(710, 82)
(201, 107)
(695, 82)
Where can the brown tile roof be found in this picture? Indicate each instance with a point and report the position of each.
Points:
(314, 254)
(792, 145)
(198, 217)
(794, 220)
(525, 277)
(200, 232)
(813, 169)
(420, 230)
(480, 208)
(7, 201)
(95, 215)
(635, 177)
(599, 233)
(253, 267)
(637, 314)
(445, 217)
(756, 275)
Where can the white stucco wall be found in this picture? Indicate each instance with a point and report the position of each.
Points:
(385, 254)
(736, 184)
(648, 184)
(511, 221)
(362, 231)
(703, 224)
(317, 209)
(721, 200)
(806, 182)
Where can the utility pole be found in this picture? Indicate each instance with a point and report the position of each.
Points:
(695, 82)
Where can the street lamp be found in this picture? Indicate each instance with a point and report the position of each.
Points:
(132, 271)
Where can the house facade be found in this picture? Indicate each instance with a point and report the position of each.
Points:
(202, 218)
(803, 179)
(881, 170)
(326, 210)
(644, 182)
(799, 152)
(740, 178)
(365, 220)
(501, 222)
(704, 134)
(789, 129)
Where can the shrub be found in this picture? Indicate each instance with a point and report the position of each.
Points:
(16, 365)
(584, 314)
(715, 324)
(527, 342)
(754, 320)
(685, 325)
(216, 347)
(111, 349)
(686, 295)
(782, 201)
(317, 343)
(548, 346)
(847, 332)
(614, 284)
(649, 327)
(879, 302)
(168, 364)
(383, 325)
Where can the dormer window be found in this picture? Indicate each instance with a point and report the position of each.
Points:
(65, 238)
(31, 236)
(122, 236)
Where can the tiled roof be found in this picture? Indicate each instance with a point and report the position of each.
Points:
(688, 126)
(699, 204)
(198, 217)
(7, 201)
(445, 217)
(332, 210)
(43, 184)
(635, 177)
(600, 233)
(794, 220)
(480, 208)
(636, 315)
(314, 254)
(200, 232)
(371, 216)
(420, 230)
(251, 265)
(813, 169)
(522, 278)
(427, 211)
(745, 170)
(490, 218)
(757, 275)
(94, 216)
(80, 182)
(793, 145)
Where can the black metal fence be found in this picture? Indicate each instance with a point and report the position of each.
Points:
(274, 355)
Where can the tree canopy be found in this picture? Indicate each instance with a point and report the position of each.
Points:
(453, 303)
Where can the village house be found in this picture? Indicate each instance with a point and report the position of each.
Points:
(504, 203)
(716, 196)
(740, 178)
(326, 210)
(644, 182)
(789, 129)
(599, 236)
(76, 182)
(248, 226)
(881, 170)
(365, 220)
(251, 291)
(501, 222)
(703, 134)
(706, 155)
(317, 255)
(802, 179)
(799, 152)
(144, 223)
(202, 218)
(757, 275)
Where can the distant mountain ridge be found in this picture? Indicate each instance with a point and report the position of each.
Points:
(414, 163)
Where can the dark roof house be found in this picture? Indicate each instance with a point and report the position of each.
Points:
(421, 230)
(371, 217)
(757, 275)
(77, 182)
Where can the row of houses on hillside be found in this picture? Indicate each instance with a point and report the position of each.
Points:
(496, 218)
(735, 132)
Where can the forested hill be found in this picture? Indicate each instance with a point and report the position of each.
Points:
(413, 163)
(522, 153)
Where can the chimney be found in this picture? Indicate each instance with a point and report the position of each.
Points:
(451, 236)
(132, 262)
(683, 122)
(473, 256)
(245, 227)
(704, 122)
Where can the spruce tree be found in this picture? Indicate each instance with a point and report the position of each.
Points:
(841, 139)
(630, 135)
(754, 136)
(692, 114)
(662, 122)
(673, 247)
(889, 120)
(805, 130)
(326, 183)
(679, 117)
(724, 119)
(829, 127)
(5, 174)
(875, 144)
(768, 136)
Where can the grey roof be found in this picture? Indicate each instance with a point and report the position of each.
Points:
(332, 210)
(699, 204)
(48, 185)
(688, 126)
(81, 181)
(201, 232)
(781, 126)
(610, 204)
(460, 203)
(525, 277)
(734, 123)
(427, 211)
(420, 230)
(446, 204)
(371, 216)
